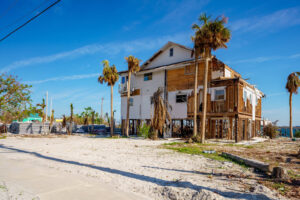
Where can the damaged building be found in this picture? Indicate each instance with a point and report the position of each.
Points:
(233, 105)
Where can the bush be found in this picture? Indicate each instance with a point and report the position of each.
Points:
(297, 134)
(271, 131)
(144, 131)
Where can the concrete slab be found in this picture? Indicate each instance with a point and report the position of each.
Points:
(50, 184)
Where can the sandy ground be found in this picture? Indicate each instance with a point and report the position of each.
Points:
(138, 166)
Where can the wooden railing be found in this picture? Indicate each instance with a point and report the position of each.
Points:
(218, 106)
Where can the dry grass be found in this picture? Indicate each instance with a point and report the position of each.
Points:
(278, 152)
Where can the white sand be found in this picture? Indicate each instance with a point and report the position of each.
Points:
(139, 166)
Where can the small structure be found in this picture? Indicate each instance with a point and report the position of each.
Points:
(32, 118)
(233, 107)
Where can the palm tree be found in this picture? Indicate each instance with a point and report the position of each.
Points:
(110, 76)
(42, 112)
(161, 114)
(93, 120)
(51, 120)
(210, 35)
(133, 67)
(107, 118)
(293, 82)
(71, 120)
(63, 123)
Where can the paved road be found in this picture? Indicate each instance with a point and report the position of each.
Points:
(47, 183)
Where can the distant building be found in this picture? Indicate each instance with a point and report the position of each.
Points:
(32, 117)
(233, 106)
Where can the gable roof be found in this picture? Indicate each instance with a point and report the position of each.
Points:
(156, 54)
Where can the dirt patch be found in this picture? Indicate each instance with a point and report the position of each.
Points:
(280, 152)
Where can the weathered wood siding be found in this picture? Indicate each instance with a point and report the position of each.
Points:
(178, 79)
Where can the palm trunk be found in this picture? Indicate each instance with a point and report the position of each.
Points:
(111, 111)
(291, 116)
(204, 102)
(195, 98)
(128, 99)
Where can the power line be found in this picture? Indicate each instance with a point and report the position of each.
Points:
(20, 18)
(31, 19)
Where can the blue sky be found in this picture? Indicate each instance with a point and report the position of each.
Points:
(61, 51)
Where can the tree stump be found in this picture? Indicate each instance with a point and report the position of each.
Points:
(278, 172)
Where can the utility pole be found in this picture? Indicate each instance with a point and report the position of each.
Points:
(102, 108)
(46, 106)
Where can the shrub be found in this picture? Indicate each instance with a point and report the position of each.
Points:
(297, 134)
(271, 131)
(144, 130)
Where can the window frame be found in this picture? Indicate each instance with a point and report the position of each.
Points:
(151, 100)
(171, 52)
(224, 95)
(130, 101)
(148, 75)
(184, 100)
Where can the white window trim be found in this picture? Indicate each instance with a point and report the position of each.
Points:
(181, 94)
(212, 92)
(131, 102)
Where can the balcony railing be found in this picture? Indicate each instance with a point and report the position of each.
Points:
(218, 106)
(123, 88)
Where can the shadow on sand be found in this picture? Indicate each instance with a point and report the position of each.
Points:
(157, 181)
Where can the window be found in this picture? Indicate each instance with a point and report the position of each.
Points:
(124, 79)
(220, 94)
(171, 52)
(181, 98)
(130, 101)
(151, 100)
(148, 77)
(189, 70)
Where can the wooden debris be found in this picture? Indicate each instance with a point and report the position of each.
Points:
(265, 167)
(278, 172)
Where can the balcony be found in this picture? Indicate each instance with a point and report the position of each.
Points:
(218, 106)
(123, 90)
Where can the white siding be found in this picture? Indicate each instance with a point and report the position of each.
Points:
(179, 54)
(227, 73)
(255, 94)
(179, 110)
(142, 108)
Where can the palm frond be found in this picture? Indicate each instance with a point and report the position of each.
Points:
(292, 84)
(109, 74)
(211, 35)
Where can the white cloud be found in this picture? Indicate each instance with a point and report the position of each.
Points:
(63, 78)
(295, 56)
(112, 48)
(276, 20)
(261, 59)
(184, 8)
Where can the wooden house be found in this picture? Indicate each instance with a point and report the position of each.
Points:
(233, 105)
